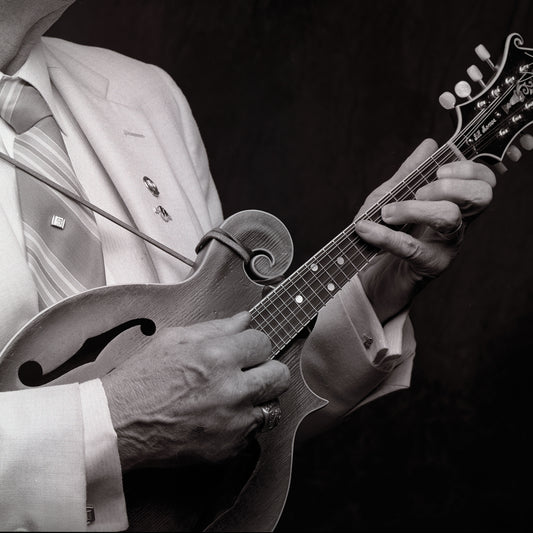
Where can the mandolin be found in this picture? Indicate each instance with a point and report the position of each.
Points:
(95, 331)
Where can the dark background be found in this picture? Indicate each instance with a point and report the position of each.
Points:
(305, 107)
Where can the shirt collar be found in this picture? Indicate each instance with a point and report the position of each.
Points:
(35, 72)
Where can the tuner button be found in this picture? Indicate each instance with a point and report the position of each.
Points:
(513, 153)
(447, 100)
(482, 52)
(463, 89)
(484, 55)
(475, 74)
(526, 141)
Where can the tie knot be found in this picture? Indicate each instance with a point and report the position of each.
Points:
(21, 104)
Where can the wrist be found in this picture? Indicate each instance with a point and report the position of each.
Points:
(390, 285)
(129, 449)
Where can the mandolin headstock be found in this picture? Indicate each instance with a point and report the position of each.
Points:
(488, 123)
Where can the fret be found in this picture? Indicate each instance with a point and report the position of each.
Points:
(268, 323)
(307, 277)
(326, 275)
(266, 326)
(278, 302)
(299, 302)
(289, 307)
(278, 314)
(284, 327)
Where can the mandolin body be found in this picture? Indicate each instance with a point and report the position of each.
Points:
(117, 321)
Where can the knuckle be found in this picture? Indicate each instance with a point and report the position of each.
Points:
(282, 374)
(259, 342)
(446, 187)
(484, 196)
(448, 218)
(214, 351)
(471, 170)
(411, 247)
(264, 343)
(259, 385)
(455, 214)
(487, 175)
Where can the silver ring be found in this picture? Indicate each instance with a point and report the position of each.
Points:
(271, 415)
(456, 234)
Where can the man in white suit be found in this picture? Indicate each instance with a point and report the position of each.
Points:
(64, 448)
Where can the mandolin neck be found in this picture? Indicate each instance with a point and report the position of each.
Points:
(293, 304)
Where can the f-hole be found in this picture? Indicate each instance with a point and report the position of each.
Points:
(31, 372)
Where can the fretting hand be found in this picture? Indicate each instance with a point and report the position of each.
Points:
(436, 219)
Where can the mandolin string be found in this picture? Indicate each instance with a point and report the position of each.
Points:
(346, 245)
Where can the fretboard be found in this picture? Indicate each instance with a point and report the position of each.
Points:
(293, 304)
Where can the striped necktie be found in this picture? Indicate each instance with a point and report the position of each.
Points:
(63, 246)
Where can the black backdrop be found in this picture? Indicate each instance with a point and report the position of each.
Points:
(306, 106)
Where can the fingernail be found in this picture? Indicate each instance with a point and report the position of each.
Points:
(388, 211)
(363, 226)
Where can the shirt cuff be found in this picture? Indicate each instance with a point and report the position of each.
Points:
(102, 462)
(390, 347)
(386, 345)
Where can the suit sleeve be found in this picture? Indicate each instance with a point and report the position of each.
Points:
(350, 359)
(42, 465)
(195, 147)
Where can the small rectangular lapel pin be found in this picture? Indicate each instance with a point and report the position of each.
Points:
(57, 222)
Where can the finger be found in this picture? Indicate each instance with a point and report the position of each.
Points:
(265, 382)
(426, 148)
(442, 216)
(258, 418)
(420, 154)
(472, 196)
(242, 350)
(399, 244)
(467, 170)
(253, 348)
(212, 328)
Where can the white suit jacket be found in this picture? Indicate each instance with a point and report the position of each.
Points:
(137, 122)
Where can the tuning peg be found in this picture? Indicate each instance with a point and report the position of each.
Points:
(447, 100)
(500, 168)
(513, 153)
(526, 141)
(484, 55)
(463, 89)
(475, 75)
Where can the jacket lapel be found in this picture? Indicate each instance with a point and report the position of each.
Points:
(127, 146)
